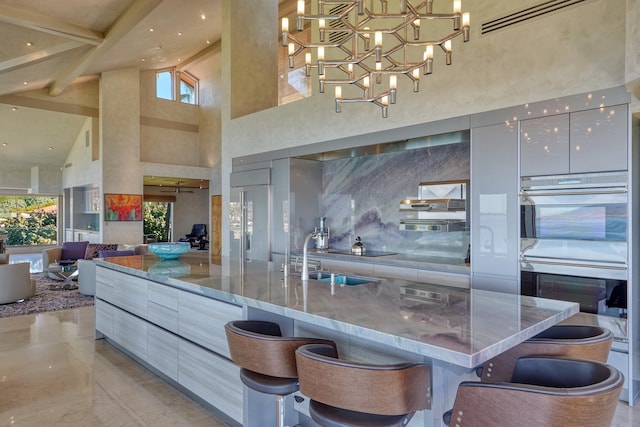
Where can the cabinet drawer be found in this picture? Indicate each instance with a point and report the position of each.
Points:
(104, 317)
(163, 351)
(163, 295)
(130, 293)
(162, 306)
(213, 378)
(202, 321)
(131, 333)
(104, 284)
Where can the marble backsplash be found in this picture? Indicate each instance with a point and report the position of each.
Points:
(361, 197)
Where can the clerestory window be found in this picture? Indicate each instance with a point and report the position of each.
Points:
(170, 82)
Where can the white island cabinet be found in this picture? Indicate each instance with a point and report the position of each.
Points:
(141, 317)
(179, 332)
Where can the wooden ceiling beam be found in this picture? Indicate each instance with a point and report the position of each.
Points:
(49, 25)
(39, 56)
(129, 19)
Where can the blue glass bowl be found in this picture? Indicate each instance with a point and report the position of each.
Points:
(169, 250)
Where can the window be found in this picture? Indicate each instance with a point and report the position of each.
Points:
(29, 220)
(164, 84)
(186, 87)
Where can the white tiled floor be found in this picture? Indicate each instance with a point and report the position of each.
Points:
(53, 373)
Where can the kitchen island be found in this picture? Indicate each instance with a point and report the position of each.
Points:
(174, 325)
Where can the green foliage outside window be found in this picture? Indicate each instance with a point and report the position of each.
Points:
(29, 220)
(156, 219)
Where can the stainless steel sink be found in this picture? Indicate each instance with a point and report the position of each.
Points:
(340, 278)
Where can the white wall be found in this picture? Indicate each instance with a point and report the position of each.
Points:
(83, 170)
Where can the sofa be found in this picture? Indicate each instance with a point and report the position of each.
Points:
(87, 268)
(16, 283)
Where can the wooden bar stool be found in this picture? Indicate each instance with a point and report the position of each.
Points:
(544, 391)
(266, 358)
(354, 394)
(567, 341)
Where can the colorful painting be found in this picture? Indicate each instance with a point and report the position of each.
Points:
(123, 207)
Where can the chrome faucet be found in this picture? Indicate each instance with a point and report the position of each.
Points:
(305, 255)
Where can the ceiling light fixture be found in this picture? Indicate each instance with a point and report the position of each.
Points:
(29, 44)
(151, 30)
(345, 55)
(179, 33)
(25, 82)
(14, 108)
(203, 17)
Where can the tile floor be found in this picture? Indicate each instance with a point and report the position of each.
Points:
(53, 373)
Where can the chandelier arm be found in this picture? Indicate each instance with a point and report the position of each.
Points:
(349, 22)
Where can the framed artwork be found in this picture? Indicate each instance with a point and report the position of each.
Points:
(123, 207)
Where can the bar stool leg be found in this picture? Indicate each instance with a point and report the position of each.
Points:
(279, 410)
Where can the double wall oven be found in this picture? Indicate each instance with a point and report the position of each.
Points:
(573, 242)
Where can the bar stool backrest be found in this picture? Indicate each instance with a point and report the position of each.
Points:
(259, 346)
(544, 392)
(567, 341)
(373, 389)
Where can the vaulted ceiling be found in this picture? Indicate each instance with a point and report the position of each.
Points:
(48, 45)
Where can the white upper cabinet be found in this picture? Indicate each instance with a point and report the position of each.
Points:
(586, 141)
(599, 140)
(544, 145)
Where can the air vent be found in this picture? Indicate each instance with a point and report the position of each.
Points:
(335, 24)
(528, 14)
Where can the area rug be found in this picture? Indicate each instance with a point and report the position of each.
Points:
(46, 299)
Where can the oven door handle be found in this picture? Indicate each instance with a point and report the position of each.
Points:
(583, 192)
(575, 263)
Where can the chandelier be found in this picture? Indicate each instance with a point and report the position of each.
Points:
(345, 55)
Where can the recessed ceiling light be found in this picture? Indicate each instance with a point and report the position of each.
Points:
(179, 59)
(151, 29)
(14, 108)
(208, 41)
(29, 44)
(4, 144)
(50, 148)
(25, 82)
(179, 33)
(203, 17)
(143, 60)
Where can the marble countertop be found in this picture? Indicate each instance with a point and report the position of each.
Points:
(458, 326)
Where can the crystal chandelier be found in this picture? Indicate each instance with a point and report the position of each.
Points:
(344, 53)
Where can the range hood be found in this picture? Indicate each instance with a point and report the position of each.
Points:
(441, 206)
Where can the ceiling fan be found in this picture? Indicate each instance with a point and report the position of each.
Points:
(177, 190)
